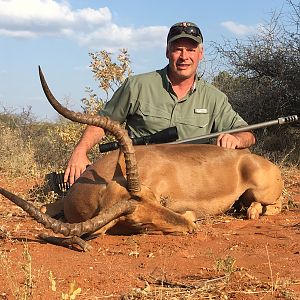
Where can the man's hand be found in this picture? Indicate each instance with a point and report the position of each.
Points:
(76, 166)
(230, 141)
(79, 160)
(237, 140)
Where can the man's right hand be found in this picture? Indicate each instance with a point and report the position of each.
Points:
(79, 160)
(76, 166)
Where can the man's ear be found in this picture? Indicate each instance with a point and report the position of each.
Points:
(201, 53)
(167, 52)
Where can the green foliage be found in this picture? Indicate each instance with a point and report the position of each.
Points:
(109, 74)
(262, 82)
(263, 72)
(93, 103)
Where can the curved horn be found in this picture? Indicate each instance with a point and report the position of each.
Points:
(133, 182)
(74, 229)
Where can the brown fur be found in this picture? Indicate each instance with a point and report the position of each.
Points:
(180, 184)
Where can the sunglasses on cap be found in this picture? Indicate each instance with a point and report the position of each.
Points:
(190, 30)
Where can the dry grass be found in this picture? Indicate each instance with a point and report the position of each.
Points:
(230, 283)
(239, 285)
(27, 157)
(291, 183)
(23, 280)
(281, 145)
(21, 283)
(17, 155)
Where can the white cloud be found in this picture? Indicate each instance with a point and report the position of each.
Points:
(113, 36)
(239, 29)
(17, 33)
(89, 27)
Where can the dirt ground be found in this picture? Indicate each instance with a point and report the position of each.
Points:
(228, 257)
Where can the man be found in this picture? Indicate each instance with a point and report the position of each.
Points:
(173, 96)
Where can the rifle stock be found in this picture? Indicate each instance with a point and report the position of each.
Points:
(167, 135)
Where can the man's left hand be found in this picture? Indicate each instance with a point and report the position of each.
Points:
(227, 140)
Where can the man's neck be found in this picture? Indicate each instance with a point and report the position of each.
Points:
(181, 86)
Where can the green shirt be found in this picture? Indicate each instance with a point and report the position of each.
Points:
(148, 103)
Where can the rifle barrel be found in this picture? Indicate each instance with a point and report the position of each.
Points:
(282, 120)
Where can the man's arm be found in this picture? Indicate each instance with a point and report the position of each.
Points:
(237, 140)
(116, 109)
(79, 160)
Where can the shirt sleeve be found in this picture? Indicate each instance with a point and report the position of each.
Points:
(226, 118)
(118, 107)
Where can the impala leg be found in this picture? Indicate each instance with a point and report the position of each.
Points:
(254, 210)
(273, 209)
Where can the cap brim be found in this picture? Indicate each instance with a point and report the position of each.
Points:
(185, 35)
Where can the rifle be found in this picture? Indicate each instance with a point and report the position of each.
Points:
(164, 136)
(198, 139)
(170, 135)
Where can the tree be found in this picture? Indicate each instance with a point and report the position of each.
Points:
(109, 74)
(264, 70)
(262, 81)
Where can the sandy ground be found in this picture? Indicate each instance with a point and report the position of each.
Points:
(227, 258)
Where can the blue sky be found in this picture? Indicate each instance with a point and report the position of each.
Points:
(58, 35)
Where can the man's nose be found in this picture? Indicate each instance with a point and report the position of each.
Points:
(184, 54)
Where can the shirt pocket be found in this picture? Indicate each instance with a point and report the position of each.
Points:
(152, 117)
(193, 126)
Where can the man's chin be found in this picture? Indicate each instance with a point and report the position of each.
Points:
(183, 74)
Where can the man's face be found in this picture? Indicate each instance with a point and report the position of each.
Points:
(184, 56)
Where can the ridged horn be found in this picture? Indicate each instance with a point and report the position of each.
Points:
(133, 182)
(73, 229)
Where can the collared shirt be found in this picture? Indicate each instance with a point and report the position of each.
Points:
(148, 103)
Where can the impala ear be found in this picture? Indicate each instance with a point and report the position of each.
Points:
(114, 192)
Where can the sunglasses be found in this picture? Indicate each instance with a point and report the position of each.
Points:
(191, 30)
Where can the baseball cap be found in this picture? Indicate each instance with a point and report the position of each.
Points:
(185, 30)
